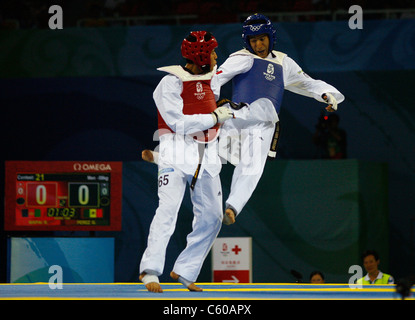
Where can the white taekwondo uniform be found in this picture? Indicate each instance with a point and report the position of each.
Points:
(260, 82)
(183, 111)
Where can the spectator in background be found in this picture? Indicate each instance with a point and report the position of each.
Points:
(317, 277)
(330, 140)
(95, 15)
(371, 263)
(410, 14)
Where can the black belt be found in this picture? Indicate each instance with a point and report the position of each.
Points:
(201, 148)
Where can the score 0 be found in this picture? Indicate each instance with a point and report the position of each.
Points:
(83, 194)
(41, 194)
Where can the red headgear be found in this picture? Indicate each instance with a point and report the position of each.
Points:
(197, 47)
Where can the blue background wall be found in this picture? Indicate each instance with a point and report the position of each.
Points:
(86, 94)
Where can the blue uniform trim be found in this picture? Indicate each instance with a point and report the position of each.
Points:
(263, 80)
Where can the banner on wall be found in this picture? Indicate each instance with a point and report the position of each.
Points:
(232, 260)
(124, 51)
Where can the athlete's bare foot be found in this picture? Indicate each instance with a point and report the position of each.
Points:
(152, 286)
(147, 155)
(229, 217)
(190, 287)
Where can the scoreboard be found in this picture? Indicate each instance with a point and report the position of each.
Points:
(63, 195)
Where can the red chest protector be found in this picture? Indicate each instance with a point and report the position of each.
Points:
(198, 98)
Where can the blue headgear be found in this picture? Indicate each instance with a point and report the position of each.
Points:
(255, 25)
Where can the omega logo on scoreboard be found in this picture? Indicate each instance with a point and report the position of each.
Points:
(63, 195)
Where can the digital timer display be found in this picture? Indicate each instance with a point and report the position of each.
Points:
(63, 196)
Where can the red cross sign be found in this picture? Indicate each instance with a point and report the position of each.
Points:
(236, 249)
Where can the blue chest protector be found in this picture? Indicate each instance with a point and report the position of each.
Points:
(264, 80)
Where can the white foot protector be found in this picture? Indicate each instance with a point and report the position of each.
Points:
(148, 278)
(184, 282)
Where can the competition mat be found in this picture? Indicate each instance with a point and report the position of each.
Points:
(211, 291)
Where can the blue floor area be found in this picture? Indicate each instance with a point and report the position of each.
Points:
(216, 291)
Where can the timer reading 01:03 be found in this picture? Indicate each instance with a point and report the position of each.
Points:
(61, 198)
(70, 213)
(63, 195)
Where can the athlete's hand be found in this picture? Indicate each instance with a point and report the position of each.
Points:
(331, 101)
(221, 114)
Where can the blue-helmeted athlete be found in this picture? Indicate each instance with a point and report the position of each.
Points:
(260, 75)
